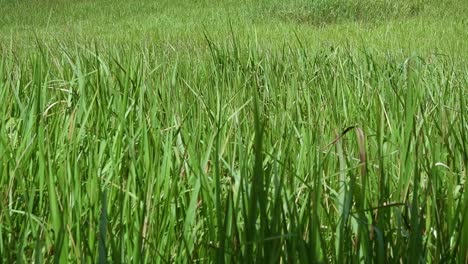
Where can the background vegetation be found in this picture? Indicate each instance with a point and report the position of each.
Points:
(267, 131)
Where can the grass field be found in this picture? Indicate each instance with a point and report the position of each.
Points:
(325, 131)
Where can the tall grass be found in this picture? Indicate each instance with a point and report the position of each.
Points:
(236, 154)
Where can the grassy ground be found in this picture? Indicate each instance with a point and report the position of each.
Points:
(421, 27)
(187, 131)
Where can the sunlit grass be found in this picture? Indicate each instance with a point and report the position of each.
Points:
(253, 131)
(232, 155)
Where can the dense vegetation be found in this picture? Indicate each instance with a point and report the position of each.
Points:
(271, 131)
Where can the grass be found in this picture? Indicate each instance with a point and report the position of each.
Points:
(216, 139)
(422, 27)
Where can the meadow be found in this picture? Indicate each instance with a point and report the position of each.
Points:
(326, 131)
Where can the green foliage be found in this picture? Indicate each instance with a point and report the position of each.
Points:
(253, 131)
(131, 155)
(422, 27)
(325, 12)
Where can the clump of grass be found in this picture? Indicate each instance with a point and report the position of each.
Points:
(322, 13)
(129, 154)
